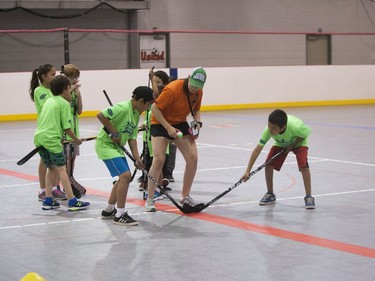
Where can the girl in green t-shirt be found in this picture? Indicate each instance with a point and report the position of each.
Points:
(39, 93)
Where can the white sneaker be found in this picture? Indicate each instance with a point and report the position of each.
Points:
(188, 200)
(150, 206)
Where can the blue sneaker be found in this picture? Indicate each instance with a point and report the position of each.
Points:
(268, 199)
(157, 195)
(78, 205)
(309, 202)
(49, 205)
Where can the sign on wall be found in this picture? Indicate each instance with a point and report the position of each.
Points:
(153, 51)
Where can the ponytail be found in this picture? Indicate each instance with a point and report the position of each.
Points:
(37, 77)
(34, 83)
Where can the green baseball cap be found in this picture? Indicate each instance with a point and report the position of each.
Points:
(198, 77)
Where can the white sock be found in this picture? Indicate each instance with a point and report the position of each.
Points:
(54, 188)
(109, 208)
(42, 190)
(120, 211)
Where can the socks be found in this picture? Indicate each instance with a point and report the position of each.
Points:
(120, 211)
(109, 208)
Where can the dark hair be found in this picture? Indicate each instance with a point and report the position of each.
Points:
(278, 117)
(59, 85)
(37, 77)
(143, 92)
(163, 76)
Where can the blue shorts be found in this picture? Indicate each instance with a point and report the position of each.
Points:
(117, 166)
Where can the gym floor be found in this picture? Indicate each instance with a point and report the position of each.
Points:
(233, 239)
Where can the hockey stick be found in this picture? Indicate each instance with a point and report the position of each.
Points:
(107, 97)
(145, 150)
(29, 155)
(39, 148)
(200, 207)
(182, 209)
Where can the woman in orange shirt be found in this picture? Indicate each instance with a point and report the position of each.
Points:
(169, 117)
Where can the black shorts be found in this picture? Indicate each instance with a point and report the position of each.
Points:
(157, 130)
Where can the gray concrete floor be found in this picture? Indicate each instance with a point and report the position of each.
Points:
(233, 239)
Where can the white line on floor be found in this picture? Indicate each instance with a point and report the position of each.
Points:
(173, 209)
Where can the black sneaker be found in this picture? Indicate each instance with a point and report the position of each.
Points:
(109, 215)
(309, 202)
(125, 219)
(170, 178)
(165, 183)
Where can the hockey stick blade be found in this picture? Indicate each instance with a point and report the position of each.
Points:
(187, 209)
(39, 148)
(29, 155)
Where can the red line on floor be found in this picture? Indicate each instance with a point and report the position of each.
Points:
(295, 236)
(18, 175)
(266, 230)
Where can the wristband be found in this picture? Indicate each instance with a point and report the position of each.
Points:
(114, 135)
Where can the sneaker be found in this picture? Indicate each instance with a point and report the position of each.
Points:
(78, 205)
(268, 199)
(165, 183)
(41, 196)
(188, 200)
(53, 205)
(142, 186)
(309, 202)
(170, 178)
(157, 195)
(150, 206)
(109, 215)
(125, 219)
(59, 195)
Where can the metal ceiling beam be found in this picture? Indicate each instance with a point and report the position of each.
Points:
(85, 4)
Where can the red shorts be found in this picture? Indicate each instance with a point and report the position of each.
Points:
(300, 152)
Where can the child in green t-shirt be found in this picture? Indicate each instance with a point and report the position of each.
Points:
(54, 120)
(39, 92)
(289, 133)
(71, 150)
(120, 123)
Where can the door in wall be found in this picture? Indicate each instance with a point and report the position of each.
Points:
(318, 49)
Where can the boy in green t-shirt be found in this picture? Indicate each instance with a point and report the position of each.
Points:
(53, 120)
(289, 133)
(120, 123)
(71, 150)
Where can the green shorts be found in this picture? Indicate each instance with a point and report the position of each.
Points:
(52, 159)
